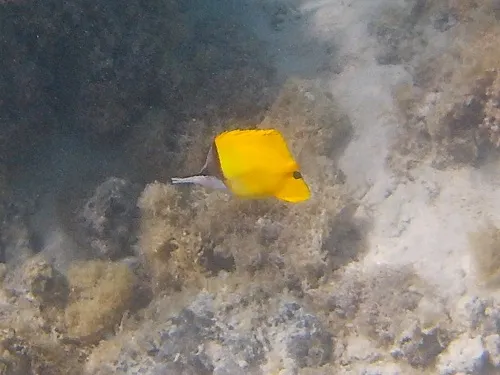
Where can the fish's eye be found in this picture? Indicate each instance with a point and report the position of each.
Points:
(297, 175)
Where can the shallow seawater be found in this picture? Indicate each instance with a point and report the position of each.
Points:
(391, 109)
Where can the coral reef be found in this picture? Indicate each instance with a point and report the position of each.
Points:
(216, 333)
(184, 280)
(385, 309)
(203, 338)
(183, 236)
(131, 61)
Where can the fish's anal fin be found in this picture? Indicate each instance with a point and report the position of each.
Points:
(294, 189)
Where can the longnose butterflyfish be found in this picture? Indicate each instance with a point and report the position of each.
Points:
(254, 163)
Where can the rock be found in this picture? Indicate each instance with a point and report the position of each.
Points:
(431, 311)
(14, 359)
(269, 230)
(389, 297)
(491, 324)
(208, 337)
(444, 21)
(305, 340)
(470, 311)
(16, 241)
(183, 342)
(108, 220)
(464, 354)
(39, 281)
(460, 139)
(195, 329)
(419, 347)
(382, 369)
(44, 282)
(360, 349)
(346, 297)
(492, 344)
(246, 348)
(280, 14)
(397, 28)
(478, 314)
(229, 368)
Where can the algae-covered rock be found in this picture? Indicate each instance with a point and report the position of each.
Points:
(306, 341)
(466, 355)
(492, 344)
(44, 283)
(213, 335)
(312, 121)
(108, 220)
(396, 27)
(166, 245)
(453, 116)
(101, 292)
(420, 347)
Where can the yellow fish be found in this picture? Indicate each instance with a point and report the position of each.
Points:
(252, 163)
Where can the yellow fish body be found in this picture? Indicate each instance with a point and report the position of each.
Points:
(253, 163)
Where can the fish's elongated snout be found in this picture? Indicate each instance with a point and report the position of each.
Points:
(206, 181)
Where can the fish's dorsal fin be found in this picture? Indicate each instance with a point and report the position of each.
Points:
(212, 163)
(208, 160)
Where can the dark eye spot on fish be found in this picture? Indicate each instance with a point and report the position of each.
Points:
(297, 175)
